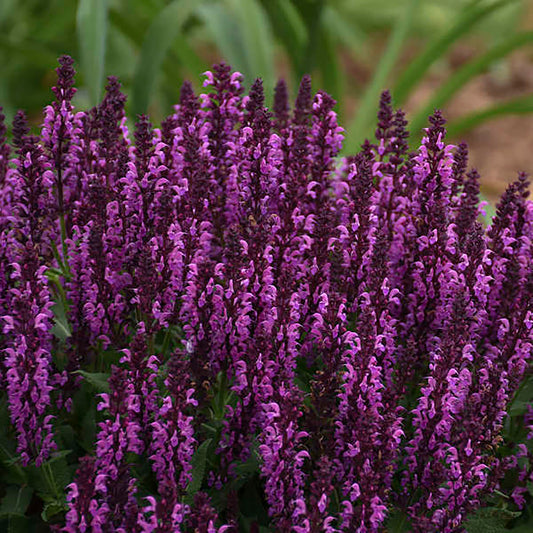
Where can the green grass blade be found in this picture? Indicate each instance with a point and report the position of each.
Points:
(516, 106)
(359, 127)
(344, 31)
(91, 25)
(226, 35)
(468, 18)
(160, 36)
(290, 29)
(126, 26)
(182, 53)
(257, 40)
(468, 71)
(330, 70)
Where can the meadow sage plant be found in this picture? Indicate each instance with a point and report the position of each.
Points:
(219, 326)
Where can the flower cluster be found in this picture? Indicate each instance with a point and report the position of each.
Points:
(341, 338)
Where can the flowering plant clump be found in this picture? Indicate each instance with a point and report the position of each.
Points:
(218, 325)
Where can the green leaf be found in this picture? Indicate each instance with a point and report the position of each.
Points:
(92, 30)
(523, 398)
(489, 520)
(327, 61)
(53, 508)
(524, 528)
(34, 53)
(9, 460)
(251, 466)
(241, 31)
(51, 478)
(16, 501)
(398, 522)
(13, 472)
(516, 106)
(252, 504)
(257, 40)
(468, 71)
(367, 109)
(161, 34)
(290, 29)
(343, 30)
(88, 427)
(17, 524)
(99, 380)
(182, 54)
(53, 274)
(198, 463)
(56, 456)
(61, 327)
(474, 13)
(226, 34)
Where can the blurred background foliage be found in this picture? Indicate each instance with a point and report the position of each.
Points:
(425, 51)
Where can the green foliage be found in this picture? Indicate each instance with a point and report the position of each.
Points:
(161, 34)
(198, 463)
(466, 20)
(91, 22)
(398, 522)
(516, 106)
(15, 501)
(61, 328)
(490, 520)
(359, 128)
(155, 44)
(468, 71)
(99, 380)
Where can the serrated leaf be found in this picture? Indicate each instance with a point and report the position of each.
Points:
(250, 466)
(61, 327)
(198, 463)
(91, 22)
(52, 509)
(16, 501)
(99, 380)
(51, 478)
(489, 520)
